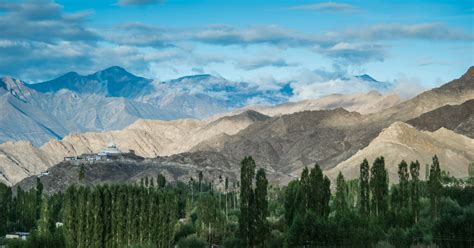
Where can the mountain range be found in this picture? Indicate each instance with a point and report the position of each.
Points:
(113, 98)
(288, 138)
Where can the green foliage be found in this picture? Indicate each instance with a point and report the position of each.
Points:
(192, 241)
(415, 190)
(364, 188)
(403, 175)
(379, 187)
(211, 218)
(161, 181)
(435, 187)
(455, 225)
(247, 218)
(363, 212)
(261, 208)
(340, 200)
(119, 215)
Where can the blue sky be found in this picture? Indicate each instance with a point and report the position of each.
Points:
(417, 44)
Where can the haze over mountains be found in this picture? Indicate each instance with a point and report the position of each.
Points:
(285, 138)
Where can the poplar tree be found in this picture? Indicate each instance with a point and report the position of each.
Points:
(246, 218)
(261, 208)
(6, 204)
(403, 176)
(315, 192)
(44, 222)
(435, 187)
(70, 216)
(161, 181)
(415, 189)
(379, 187)
(200, 176)
(340, 200)
(364, 188)
(304, 191)
(326, 197)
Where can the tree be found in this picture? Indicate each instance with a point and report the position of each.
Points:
(261, 208)
(39, 197)
(291, 202)
(82, 173)
(161, 181)
(200, 176)
(379, 187)
(304, 191)
(210, 221)
(6, 204)
(340, 200)
(326, 197)
(403, 176)
(246, 218)
(364, 188)
(435, 187)
(44, 222)
(315, 198)
(70, 216)
(415, 189)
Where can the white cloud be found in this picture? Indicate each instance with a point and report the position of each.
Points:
(327, 7)
(408, 87)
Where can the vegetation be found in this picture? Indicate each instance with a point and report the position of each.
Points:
(364, 212)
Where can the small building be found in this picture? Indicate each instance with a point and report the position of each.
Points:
(59, 224)
(69, 158)
(18, 235)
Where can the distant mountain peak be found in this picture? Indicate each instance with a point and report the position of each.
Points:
(366, 77)
(195, 77)
(112, 82)
(115, 70)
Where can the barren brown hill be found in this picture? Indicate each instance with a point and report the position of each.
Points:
(459, 118)
(148, 138)
(400, 141)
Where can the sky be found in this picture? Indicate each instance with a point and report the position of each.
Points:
(413, 44)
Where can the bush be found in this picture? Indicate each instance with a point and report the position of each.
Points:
(192, 241)
(183, 231)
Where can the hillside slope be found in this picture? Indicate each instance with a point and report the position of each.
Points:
(148, 138)
(459, 118)
(288, 143)
(400, 141)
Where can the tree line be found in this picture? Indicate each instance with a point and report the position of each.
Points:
(308, 212)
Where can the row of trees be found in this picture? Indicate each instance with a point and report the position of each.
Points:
(22, 211)
(119, 215)
(360, 212)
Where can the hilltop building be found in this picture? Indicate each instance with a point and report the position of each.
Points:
(109, 153)
(110, 150)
